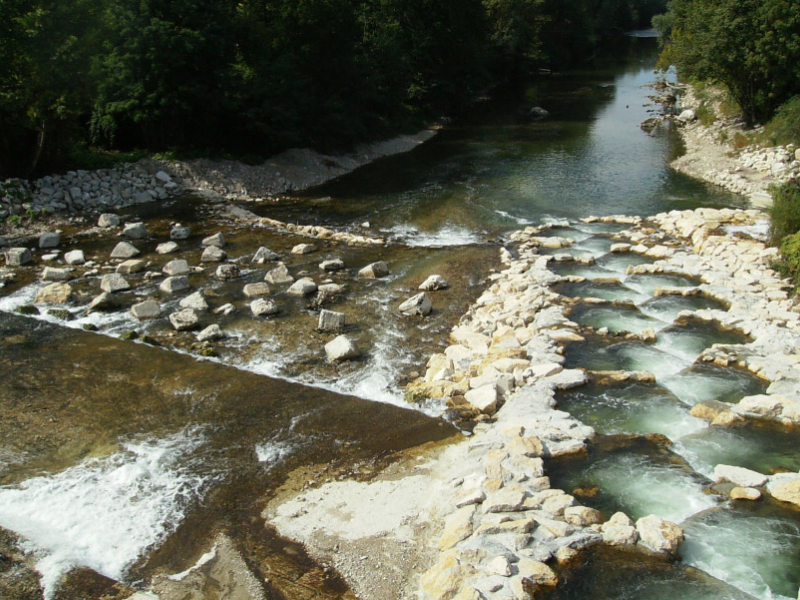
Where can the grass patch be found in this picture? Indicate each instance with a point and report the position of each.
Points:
(785, 211)
(706, 114)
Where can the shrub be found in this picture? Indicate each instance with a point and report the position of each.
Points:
(706, 114)
(784, 127)
(785, 211)
(790, 251)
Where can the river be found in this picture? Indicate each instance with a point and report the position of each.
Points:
(132, 460)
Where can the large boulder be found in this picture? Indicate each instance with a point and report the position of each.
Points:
(739, 476)
(254, 290)
(227, 272)
(341, 348)
(108, 220)
(264, 307)
(55, 293)
(114, 282)
(302, 287)
(135, 231)
(177, 266)
(331, 321)
(131, 266)
(149, 309)
(185, 319)
(263, 255)
(217, 240)
(124, 250)
(304, 249)
(213, 254)
(179, 232)
(49, 240)
(75, 257)
(16, 257)
(484, 398)
(194, 301)
(374, 270)
(416, 305)
(56, 274)
(279, 275)
(434, 283)
(658, 535)
(174, 284)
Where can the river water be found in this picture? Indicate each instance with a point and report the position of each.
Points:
(129, 459)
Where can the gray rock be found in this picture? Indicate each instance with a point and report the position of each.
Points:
(166, 248)
(213, 254)
(687, 116)
(135, 231)
(104, 301)
(434, 283)
(16, 257)
(163, 177)
(302, 287)
(174, 284)
(217, 240)
(49, 240)
(304, 249)
(114, 282)
(263, 255)
(197, 301)
(55, 293)
(416, 305)
(131, 266)
(341, 348)
(332, 265)
(124, 250)
(263, 307)
(176, 267)
(374, 270)
(331, 321)
(185, 319)
(75, 257)
(739, 476)
(227, 272)
(149, 309)
(179, 232)
(108, 220)
(254, 290)
(210, 334)
(55, 274)
(279, 275)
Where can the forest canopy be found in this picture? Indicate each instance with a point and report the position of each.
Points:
(258, 76)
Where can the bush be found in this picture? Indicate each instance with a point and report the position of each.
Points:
(790, 249)
(785, 211)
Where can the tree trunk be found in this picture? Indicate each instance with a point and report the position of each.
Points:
(38, 152)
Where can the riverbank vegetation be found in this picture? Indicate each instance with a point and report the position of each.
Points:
(785, 227)
(249, 78)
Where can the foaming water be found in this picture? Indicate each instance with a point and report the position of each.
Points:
(708, 382)
(754, 550)
(105, 513)
(447, 235)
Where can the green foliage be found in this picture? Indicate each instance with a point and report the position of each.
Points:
(785, 211)
(784, 127)
(706, 114)
(92, 82)
(790, 253)
(752, 47)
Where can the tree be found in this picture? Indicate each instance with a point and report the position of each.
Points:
(752, 47)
